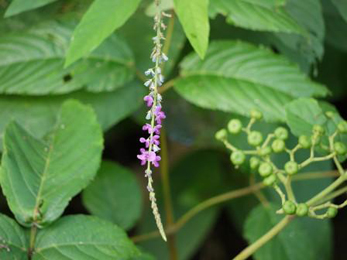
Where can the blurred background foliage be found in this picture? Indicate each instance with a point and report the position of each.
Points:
(311, 34)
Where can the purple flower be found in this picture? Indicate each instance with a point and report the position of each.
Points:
(143, 156)
(155, 140)
(159, 115)
(145, 141)
(148, 157)
(149, 100)
(147, 127)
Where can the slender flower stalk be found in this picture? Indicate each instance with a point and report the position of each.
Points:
(155, 115)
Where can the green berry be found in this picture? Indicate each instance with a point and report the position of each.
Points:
(270, 180)
(305, 142)
(281, 133)
(221, 135)
(318, 130)
(255, 138)
(291, 168)
(330, 114)
(331, 212)
(289, 207)
(340, 148)
(238, 157)
(256, 114)
(265, 169)
(265, 151)
(254, 162)
(342, 127)
(234, 126)
(301, 210)
(278, 145)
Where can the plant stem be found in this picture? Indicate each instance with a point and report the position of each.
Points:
(248, 251)
(223, 198)
(327, 190)
(33, 232)
(167, 194)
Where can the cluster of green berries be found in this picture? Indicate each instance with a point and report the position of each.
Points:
(302, 210)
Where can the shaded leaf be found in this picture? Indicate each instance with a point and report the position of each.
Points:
(341, 6)
(114, 195)
(39, 177)
(260, 15)
(83, 237)
(31, 62)
(19, 6)
(237, 76)
(110, 107)
(13, 241)
(193, 16)
(99, 22)
(295, 242)
(303, 114)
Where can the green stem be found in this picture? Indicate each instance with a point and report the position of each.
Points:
(249, 251)
(326, 191)
(33, 232)
(167, 194)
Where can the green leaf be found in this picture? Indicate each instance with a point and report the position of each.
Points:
(31, 62)
(341, 6)
(193, 16)
(263, 15)
(83, 237)
(302, 239)
(13, 242)
(237, 76)
(100, 21)
(39, 177)
(303, 114)
(114, 195)
(110, 107)
(20, 6)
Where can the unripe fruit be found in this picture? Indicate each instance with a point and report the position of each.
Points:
(255, 138)
(281, 133)
(270, 180)
(342, 127)
(289, 207)
(256, 114)
(221, 135)
(301, 210)
(254, 162)
(318, 129)
(265, 169)
(238, 157)
(331, 212)
(265, 151)
(305, 142)
(235, 126)
(278, 146)
(291, 168)
(340, 148)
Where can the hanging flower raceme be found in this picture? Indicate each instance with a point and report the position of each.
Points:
(149, 155)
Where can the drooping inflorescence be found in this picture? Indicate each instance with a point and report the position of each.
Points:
(149, 155)
(320, 146)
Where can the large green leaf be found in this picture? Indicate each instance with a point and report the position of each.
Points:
(81, 238)
(101, 19)
(193, 16)
(295, 242)
(13, 242)
(263, 15)
(39, 177)
(19, 6)
(110, 107)
(237, 76)
(114, 195)
(341, 6)
(31, 62)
